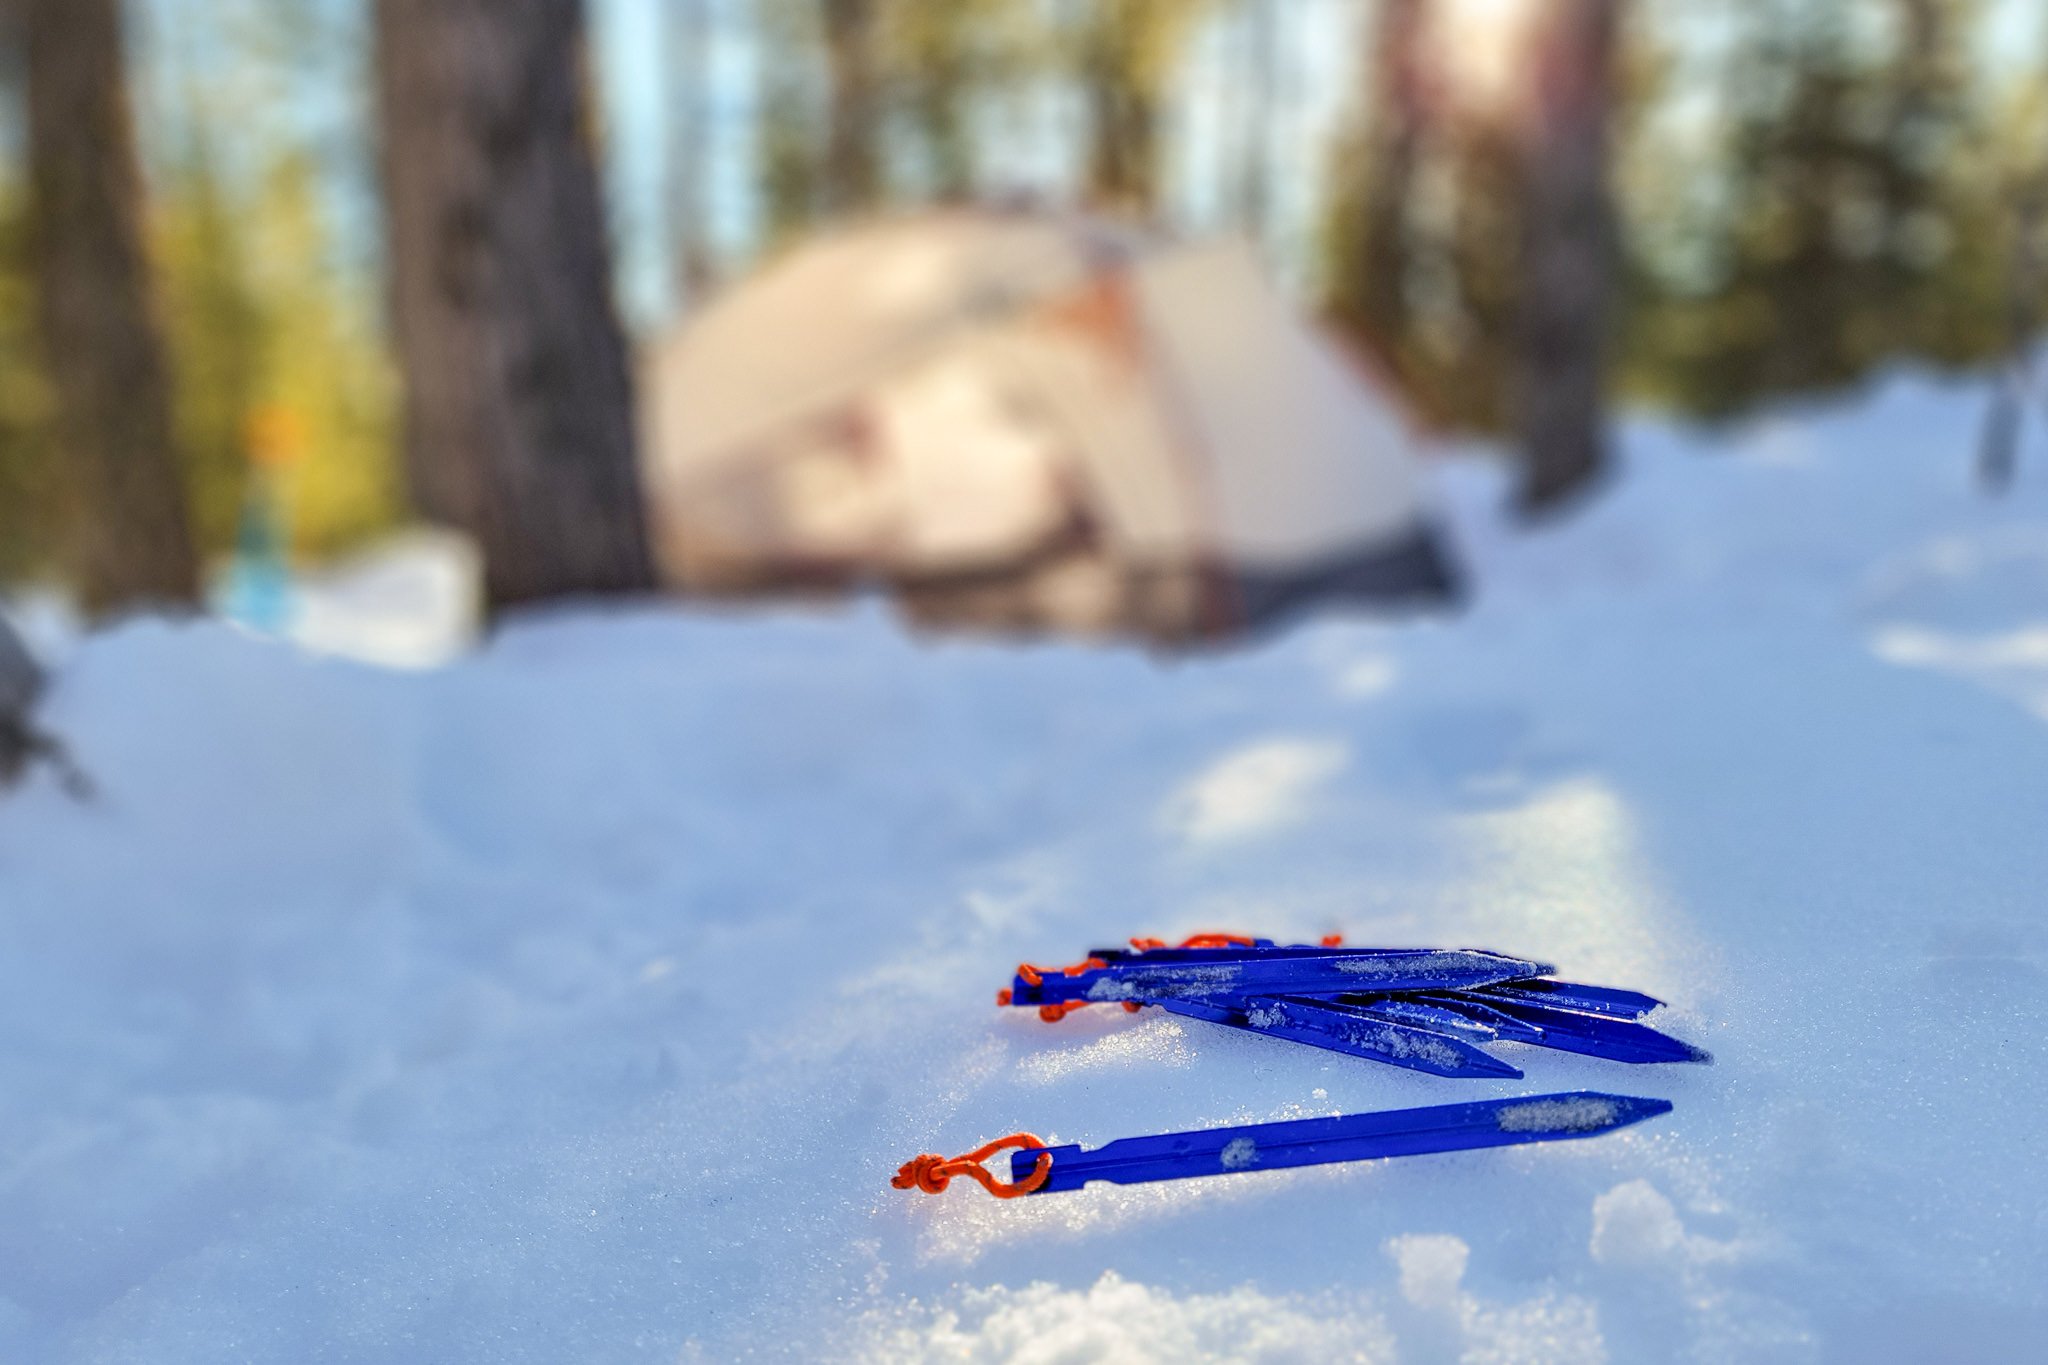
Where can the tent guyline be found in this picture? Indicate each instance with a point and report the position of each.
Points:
(1426, 1009)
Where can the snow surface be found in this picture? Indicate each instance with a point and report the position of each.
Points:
(575, 1001)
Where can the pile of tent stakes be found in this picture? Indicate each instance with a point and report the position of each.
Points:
(1425, 1009)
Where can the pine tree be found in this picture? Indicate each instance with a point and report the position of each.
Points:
(1866, 212)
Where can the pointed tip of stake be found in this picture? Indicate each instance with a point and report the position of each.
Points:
(1578, 1113)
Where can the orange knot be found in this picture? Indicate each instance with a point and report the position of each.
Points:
(1333, 940)
(931, 1172)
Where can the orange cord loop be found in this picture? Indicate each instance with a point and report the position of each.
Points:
(1208, 939)
(1052, 1014)
(1034, 975)
(1218, 941)
(931, 1172)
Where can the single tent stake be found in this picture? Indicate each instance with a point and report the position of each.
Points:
(1036, 1169)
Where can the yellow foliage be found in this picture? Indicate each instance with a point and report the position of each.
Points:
(261, 323)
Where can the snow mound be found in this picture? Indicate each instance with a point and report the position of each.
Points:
(576, 1000)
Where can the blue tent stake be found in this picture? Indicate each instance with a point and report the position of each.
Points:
(1349, 1030)
(1427, 1009)
(1344, 1137)
(1141, 979)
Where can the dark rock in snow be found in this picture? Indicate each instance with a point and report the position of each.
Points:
(21, 682)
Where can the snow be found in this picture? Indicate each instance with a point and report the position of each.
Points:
(1569, 1115)
(1397, 1042)
(1634, 1224)
(411, 601)
(575, 1000)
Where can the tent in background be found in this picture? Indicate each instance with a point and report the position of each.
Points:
(1029, 421)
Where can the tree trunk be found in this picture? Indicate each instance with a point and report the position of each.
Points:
(518, 401)
(1998, 446)
(1253, 188)
(1121, 61)
(1396, 142)
(689, 37)
(100, 339)
(938, 53)
(853, 160)
(1569, 253)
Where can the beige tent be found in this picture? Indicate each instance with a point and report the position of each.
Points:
(1026, 420)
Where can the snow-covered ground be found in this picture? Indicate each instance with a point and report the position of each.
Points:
(576, 1001)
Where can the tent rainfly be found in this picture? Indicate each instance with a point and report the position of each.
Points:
(1027, 421)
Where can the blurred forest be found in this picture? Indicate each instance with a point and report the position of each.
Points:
(1801, 191)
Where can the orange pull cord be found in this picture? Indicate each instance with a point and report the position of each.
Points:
(1034, 975)
(1220, 940)
(1052, 1014)
(931, 1172)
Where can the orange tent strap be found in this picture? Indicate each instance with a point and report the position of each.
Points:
(931, 1172)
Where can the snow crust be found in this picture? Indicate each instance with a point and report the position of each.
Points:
(576, 1000)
